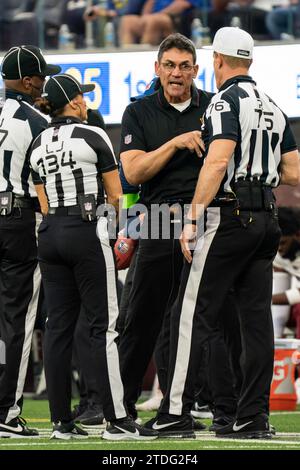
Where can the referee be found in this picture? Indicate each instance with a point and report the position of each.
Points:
(251, 150)
(24, 70)
(76, 163)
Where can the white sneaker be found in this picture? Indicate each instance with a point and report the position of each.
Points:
(202, 412)
(152, 404)
(68, 431)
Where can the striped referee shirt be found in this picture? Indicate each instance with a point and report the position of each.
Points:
(69, 158)
(20, 123)
(262, 133)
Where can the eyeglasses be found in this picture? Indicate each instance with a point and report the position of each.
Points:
(170, 66)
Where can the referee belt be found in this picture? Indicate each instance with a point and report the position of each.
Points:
(254, 195)
(63, 211)
(223, 201)
(24, 203)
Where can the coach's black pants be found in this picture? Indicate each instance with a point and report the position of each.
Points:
(239, 253)
(154, 288)
(19, 288)
(78, 269)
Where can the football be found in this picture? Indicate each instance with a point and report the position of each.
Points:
(124, 249)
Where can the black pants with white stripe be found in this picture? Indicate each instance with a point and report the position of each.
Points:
(234, 253)
(155, 285)
(19, 289)
(78, 269)
(217, 381)
(84, 360)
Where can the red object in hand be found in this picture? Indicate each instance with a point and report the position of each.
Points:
(124, 249)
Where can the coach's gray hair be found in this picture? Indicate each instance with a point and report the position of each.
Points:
(177, 41)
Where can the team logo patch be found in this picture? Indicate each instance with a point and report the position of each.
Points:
(123, 247)
(243, 52)
(128, 139)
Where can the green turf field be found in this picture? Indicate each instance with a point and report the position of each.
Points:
(36, 413)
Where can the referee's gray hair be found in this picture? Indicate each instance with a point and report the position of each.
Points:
(177, 41)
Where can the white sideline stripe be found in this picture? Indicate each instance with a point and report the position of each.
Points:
(279, 413)
(90, 433)
(45, 431)
(209, 447)
(278, 434)
(198, 433)
(188, 312)
(264, 442)
(256, 442)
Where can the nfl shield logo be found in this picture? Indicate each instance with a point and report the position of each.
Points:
(4, 201)
(123, 247)
(128, 139)
(88, 206)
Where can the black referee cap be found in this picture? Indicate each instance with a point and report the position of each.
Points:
(61, 89)
(22, 61)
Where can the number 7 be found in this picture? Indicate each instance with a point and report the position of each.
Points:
(5, 134)
(259, 111)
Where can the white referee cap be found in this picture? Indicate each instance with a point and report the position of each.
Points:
(234, 42)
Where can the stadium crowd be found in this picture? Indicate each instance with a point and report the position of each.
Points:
(144, 22)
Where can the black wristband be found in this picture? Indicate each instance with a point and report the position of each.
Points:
(191, 221)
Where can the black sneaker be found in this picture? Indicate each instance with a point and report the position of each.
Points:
(96, 420)
(220, 422)
(92, 416)
(126, 429)
(67, 431)
(256, 427)
(131, 410)
(17, 428)
(198, 426)
(201, 411)
(172, 426)
(78, 410)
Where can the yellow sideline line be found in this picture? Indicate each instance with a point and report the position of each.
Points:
(37, 420)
